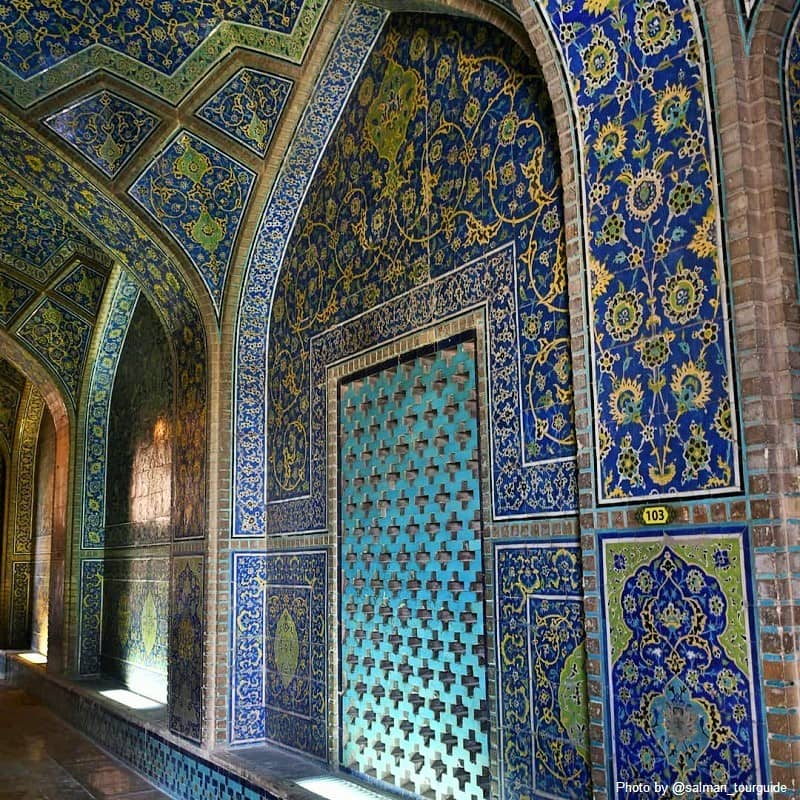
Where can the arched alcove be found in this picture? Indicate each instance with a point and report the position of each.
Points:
(426, 279)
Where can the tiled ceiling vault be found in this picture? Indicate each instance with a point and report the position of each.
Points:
(176, 113)
(180, 114)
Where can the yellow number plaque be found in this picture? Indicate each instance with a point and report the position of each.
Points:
(656, 515)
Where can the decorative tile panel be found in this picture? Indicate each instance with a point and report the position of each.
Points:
(248, 589)
(104, 368)
(186, 647)
(14, 295)
(135, 619)
(279, 662)
(162, 281)
(84, 287)
(541, 655)
(406, 195)
(23, 478)
(296, 650)
(160, 47)
(20, 612)
(90, 616)
(61, 339)
(683, 700)
(665, 420)
(105, 129)
(517, 489)
(199, 195)
(248, 107)
(353, 44)
(36, 238)
(414, 711)
(10, 397)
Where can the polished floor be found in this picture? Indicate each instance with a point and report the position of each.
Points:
(43, 758)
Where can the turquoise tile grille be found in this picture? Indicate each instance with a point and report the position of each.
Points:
(414, 701)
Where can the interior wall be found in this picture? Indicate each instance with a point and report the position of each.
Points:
(438, 194)
(138, 510)
(42, 531)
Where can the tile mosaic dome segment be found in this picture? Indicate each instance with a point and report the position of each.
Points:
(248, 107)
(105, 129)
(163, 47)
(33, 234)
(199, 195)
(161, 34)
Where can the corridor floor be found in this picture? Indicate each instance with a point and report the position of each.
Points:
(43, 758)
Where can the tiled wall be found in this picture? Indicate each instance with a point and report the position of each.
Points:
(659, 417)
(138, 509)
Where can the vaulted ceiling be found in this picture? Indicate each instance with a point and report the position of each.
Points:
(178, 113)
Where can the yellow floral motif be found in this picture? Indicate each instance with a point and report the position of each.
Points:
(703, 244)
(626, 401)
(597, 7)
(671, 108)
(662, 476)
(723, 423)
(601, 277)
(691, 386)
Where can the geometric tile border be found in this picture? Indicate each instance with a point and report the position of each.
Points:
(354, 43)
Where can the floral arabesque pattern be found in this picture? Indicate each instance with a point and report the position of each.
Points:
(665, 421)
(33, 233)
(105, 129)
(13, 296)
(422, 176)
(84, 287)
(248, 107)
(10, 395)
(199, 195)
(683, 686)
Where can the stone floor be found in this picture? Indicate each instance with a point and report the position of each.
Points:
(43, 758)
